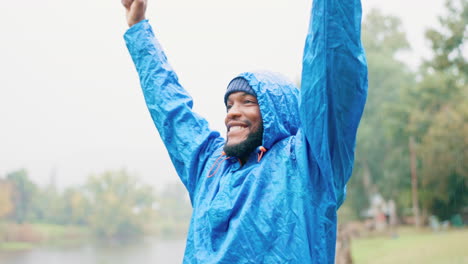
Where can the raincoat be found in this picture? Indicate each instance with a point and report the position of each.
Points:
(280, 206)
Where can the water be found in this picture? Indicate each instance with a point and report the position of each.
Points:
(151, 251)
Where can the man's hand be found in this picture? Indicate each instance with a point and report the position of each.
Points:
(136, 10)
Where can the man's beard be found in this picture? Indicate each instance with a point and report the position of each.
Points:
(247, 146)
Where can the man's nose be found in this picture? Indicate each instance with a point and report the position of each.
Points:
(233, 112)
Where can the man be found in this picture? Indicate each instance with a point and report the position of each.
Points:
(270, 192)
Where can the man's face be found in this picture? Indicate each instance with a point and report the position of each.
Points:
(244, 124)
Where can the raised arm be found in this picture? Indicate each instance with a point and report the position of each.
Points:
(186, 135)
(333, 87)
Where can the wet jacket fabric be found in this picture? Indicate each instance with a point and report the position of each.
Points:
(280, 206)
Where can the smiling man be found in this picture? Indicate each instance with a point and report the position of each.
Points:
(243, 120)
(269, 192)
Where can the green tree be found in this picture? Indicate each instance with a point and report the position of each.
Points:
(24, 192)
(449, 42)
(436, 116)
(432, 112)
(445, 162)
(52, 206)
(443, 115)
(174, 210)
(379, 153)
(76, 206)
(121, 207)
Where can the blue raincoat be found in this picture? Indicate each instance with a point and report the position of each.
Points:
(281, 208)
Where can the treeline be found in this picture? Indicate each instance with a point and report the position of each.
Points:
(113, 204)
(413, 138)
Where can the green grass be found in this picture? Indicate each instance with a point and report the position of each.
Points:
(59, 231)
(14, 246)
(62, 235)
(447, 247)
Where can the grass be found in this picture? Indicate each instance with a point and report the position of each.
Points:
(15, 246)
(412, 246)
(60, 235)
(53, 232)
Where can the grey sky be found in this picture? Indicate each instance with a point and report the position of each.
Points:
(70, 101)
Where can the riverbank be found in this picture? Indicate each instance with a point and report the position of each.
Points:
(144, 251)
(26, 236)
(15, 237)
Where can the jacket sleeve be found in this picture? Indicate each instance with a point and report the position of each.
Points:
(333, 88)
(186, 135)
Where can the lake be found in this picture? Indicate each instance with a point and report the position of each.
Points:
(148, 251)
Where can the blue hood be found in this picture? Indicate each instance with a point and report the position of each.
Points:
(278, 98)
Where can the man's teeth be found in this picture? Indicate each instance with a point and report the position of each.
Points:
(236, 128)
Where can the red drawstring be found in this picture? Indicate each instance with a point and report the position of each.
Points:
(262, 151)
(218, 162)
(218, 165)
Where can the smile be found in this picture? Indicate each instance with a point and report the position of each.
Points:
(236, 128)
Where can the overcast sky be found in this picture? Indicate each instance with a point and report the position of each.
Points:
(70, 101)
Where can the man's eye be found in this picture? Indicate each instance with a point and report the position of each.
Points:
(228, 107)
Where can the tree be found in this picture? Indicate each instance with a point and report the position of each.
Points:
(378, 167)
(437, 115)
(174, 211)
(449, 43)
(51, 206)
(76, 206)
(431, 113)
(24, 192)
(6, 204)
(121, 206)
(445, 162)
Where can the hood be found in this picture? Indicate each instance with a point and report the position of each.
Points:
(278, 99)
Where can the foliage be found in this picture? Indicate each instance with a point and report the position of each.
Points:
(439, 115)
(379, 153)
(24, 191)
(121, 204)
(6, 203)
(449, 43)
(113, 204)
(174, 210)
(432, 110)
(48, 206)
(76, 206)
(444, 156)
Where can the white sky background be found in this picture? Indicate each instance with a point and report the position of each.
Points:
(70, 101)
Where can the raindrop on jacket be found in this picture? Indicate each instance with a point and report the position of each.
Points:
(281, 209)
